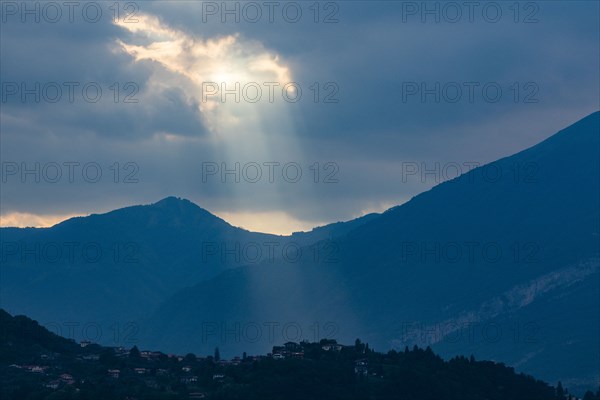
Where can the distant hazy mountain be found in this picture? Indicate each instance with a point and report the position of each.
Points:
(502, 262)
(112, 269)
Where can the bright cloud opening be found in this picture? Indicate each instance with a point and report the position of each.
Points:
(208, 68)
(240, 88)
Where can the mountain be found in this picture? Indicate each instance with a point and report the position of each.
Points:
(501, 262)
(113, 269)
(331, 231)
(22, 339)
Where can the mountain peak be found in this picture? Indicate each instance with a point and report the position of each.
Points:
(169, 212)
(174, 202)
(179, 211)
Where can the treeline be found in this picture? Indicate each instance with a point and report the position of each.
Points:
(323, 370)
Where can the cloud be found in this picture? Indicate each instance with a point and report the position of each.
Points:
(368, 134)
(199, 66)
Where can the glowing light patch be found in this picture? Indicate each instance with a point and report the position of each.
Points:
(274, 222)
(206, 70)
(227, 60)
(24, 220)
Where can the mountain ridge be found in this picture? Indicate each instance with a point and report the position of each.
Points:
(390, 271)
(367, 277)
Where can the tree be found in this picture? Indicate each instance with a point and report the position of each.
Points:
(560, 392)
(107, 357)
(217, 354)
(134, 353)
(359, 347)
(589, 396)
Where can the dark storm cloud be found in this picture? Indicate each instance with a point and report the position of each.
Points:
(374, 54)
(72, 78)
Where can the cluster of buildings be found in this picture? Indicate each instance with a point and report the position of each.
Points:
(63, 379)
(288, 350)
(31, 368)
(295, 350)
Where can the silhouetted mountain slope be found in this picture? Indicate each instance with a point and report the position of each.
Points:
(334, 230)
(22, 339)
(477, 264)
(37, 364)
(114, 268)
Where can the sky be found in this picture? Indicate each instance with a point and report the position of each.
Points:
(277, 116)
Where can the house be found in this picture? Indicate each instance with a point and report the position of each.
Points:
(281, 352)
(67, 378)
(330, 345)
(189, 379)
(176, 357)
(114, 373)
(150, 355)
(186, 369)
(162, 372)
(140, 371)
(218, 377)
(292, 347)
(361, 367)
(121, 351)
(53, 384)
(197, 395)
(85, 343)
